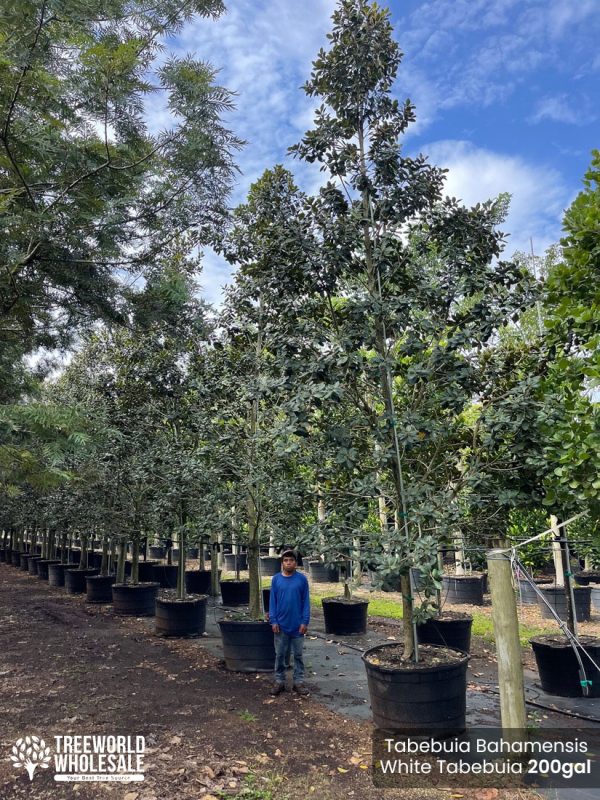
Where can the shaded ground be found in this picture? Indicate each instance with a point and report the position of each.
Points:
(68, 668)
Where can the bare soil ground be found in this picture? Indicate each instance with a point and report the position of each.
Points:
(69, 668)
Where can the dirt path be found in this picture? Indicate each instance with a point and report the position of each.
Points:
(68, 668)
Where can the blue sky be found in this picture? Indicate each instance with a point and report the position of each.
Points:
(506, 95)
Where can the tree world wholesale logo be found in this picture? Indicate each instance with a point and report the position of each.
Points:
(83, 758)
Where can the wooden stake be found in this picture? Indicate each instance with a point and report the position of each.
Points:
(557, 552)
(508, 646)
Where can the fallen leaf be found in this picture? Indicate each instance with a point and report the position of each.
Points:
(341, 769)
(131, 796)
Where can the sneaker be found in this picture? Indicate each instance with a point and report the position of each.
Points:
(277, 688)
(301, 689)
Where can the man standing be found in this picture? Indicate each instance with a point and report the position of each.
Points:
(289, 615)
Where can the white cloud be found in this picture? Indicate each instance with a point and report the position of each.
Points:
(539, 193)
(559, 109)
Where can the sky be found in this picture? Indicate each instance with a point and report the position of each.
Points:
(506, 93)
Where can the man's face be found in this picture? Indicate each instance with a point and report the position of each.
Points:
(289, 564)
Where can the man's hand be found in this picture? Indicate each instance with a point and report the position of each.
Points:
(275, 628)
(303, 629)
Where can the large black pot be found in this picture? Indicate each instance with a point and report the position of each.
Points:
(595, 597)
(269, 566)
(15, 558)
(181, 617)
(322, 573)
(166, 575)
(56, 574)
(98, 588)
(32, 564)
(449, 630)
(42, 567)
(463, 589)
(555, 595)
(146, 571)
(235, 593)
(406, 698)
(137, 601)
(526, 594)
(587, 577)
(229, 562)
(2, 554)
(192, 552)
(24, 561)
(75, 580)
(266, 595)
(94, 560)
(157, 551)
(75, 557)
(197, 581)
(558, 666)
(345, 617)
(248, 646)
(8, 555)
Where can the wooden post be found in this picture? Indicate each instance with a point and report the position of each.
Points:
(508, 646)
(557, 552)
(459, 553)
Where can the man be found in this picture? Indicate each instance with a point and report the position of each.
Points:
(289, 615)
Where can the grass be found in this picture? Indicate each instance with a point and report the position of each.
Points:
(247, 716)
(253, 790)
(392, 609)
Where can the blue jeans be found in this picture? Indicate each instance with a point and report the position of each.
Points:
(284, 644)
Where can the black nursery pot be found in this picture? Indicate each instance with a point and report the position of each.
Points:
(24, 561)
(269, 566)
(75, 580)
(555, 595)
(229, 561)
(587, 577)
(322, 573)
(197, 581)
(463, 589)
(235, 593)
(137, 601)
(98, 588)
(166, 575)
(248, 646)
(15, 558)
(449, 630)
(266, 596)
(157, 551)
(181, 617)
(42, 567)
(146, 571)
(406, 698)
(2, 554)
(32, 564)
(345, 617)
(558, 666)
(526, 594)
(56, 574)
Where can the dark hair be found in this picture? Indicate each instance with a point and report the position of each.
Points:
(288, 554)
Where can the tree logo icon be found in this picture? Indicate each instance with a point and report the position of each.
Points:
(30, 752)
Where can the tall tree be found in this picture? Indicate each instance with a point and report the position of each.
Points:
(90, 192)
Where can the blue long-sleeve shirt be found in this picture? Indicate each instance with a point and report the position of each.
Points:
(289, 604)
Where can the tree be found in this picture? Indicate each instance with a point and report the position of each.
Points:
(386, 295)
(89, 196)
(572, 317)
